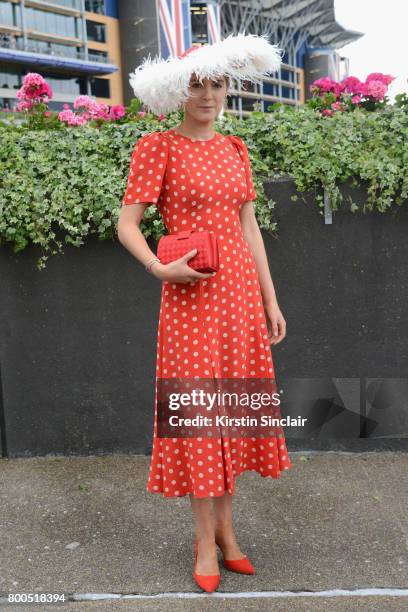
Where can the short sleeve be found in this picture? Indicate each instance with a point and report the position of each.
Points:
(243, 151)
(147, 169)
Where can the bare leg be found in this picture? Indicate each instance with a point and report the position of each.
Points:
(224, 531)
(207, 560)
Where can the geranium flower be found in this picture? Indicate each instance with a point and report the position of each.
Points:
(117, 112)
(324, 85)
(352, 85)
(375, 89)
(24, 105)
(35, 88)
(379, 76)
(71, 118)
(83, 102)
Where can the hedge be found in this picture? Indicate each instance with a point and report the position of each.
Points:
(71, 181)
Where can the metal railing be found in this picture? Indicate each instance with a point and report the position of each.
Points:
(31, 47)
(72, 4)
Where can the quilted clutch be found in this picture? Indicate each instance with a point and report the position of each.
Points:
(176, 245)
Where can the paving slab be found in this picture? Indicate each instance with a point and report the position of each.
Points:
(209, 604)
(87, 525)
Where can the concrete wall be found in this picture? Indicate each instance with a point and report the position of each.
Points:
(78, 340)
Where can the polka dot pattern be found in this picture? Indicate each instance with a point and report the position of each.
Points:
(217, 328)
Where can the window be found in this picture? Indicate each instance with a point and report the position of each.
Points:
(96, 31)
(6, 13)
(100, 87)
(64, 84)
(10, 78)
(97, 56)
(45, 21)
(95, 6)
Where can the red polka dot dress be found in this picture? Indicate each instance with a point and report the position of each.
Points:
(216, 328)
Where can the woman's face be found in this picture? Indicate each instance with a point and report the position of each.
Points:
(206, 99)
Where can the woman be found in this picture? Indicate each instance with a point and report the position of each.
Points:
(211, 325)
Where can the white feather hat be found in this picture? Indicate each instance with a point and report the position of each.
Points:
(163, 85)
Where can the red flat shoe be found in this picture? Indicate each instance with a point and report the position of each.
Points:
(208, 583)
(241, 566)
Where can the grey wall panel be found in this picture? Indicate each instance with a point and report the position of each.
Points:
(78, 340)
(78, 351)
(138, 35)
(317, 66)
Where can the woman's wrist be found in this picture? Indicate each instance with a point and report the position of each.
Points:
(149, 264)
(157, 269)
(271, 301)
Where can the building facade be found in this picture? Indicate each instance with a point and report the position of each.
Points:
(73, 44)
(91, 46)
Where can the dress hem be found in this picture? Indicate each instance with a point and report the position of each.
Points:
(232, 492)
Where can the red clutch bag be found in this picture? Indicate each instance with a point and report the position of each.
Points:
(176, 245)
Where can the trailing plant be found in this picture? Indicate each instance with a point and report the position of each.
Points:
(60, 185)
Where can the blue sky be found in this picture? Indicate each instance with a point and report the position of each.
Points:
(384, 48)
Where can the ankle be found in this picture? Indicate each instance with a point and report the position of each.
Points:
(225, 534)
(206, 540)
(221, 528)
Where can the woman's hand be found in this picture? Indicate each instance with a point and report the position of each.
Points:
(276, 324)
(178, 271)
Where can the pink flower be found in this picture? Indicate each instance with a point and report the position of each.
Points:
(327, 112)
(65, 114)
(47, 113)
(336, 106)
(33, 79)
(162, 117)
(352, 85)
(35, 88)
(386, 79)
(24, 105)
(101, 111)
(91, 109)
(141, 113)
(356, 99)
(338, 88)
(83, 102)
(65, 106)
(46, 90)
(117, 112)
(375, 89)
(324, 85)
(77, 120)
(71, 118)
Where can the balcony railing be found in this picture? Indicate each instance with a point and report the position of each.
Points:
(31, 47)
(72, 4)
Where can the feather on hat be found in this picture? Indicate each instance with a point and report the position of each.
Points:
(163, 84)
